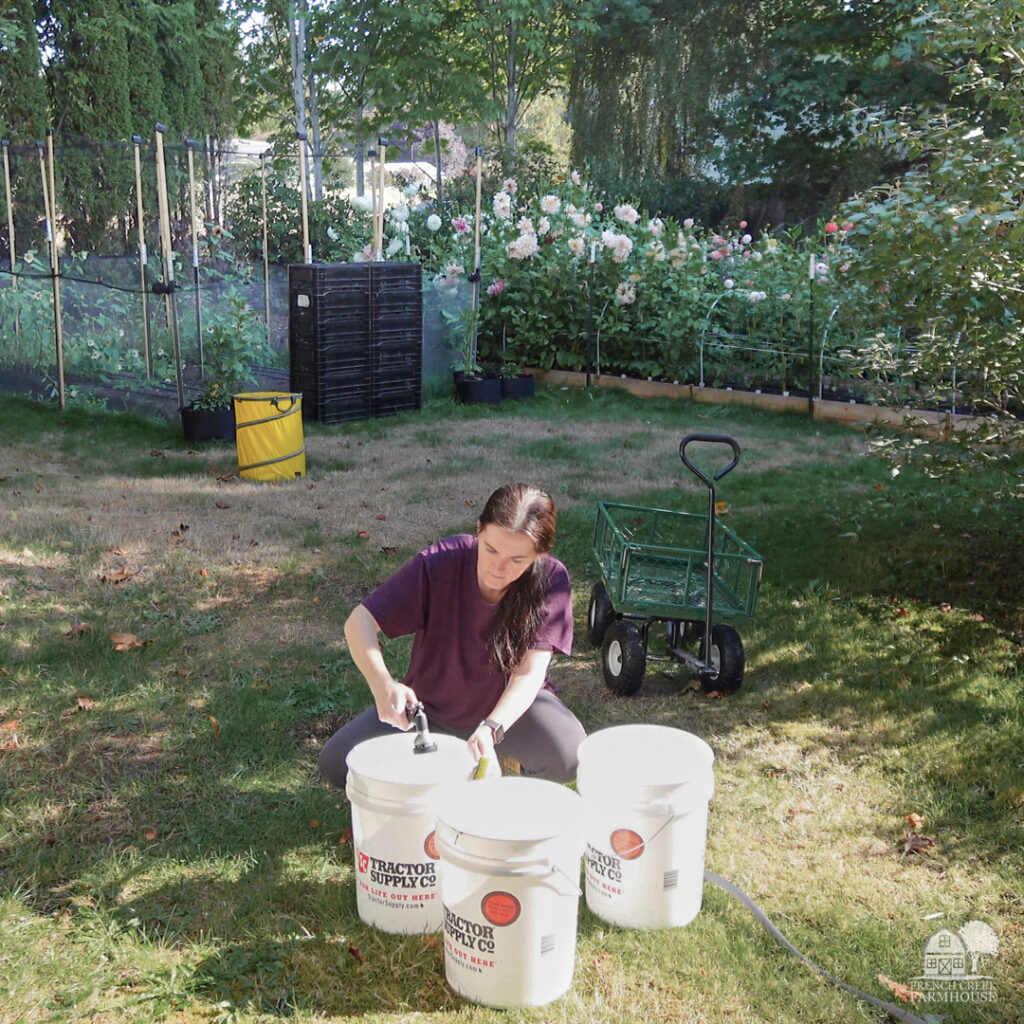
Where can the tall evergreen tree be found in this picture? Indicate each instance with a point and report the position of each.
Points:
(24, 116)
(89, 83)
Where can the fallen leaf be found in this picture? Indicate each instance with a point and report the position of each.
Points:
(345, 837)
(363, 535)
(120, 576)
(203, 573)
(355, 952)
(156, 453)
(216, 726)
(314, 822)
(914, 843)
(389, 550)
(11, 725)
(127, 641)
(85, 703)
(118, 551)
(916, 821)
(222, 504)
(77, 630)
(39, 486)
(901, 611)
(431, 941)
(878, 487)
(978, 617)
(721, 508)
(150, 834)
(382, 517)
(901, 991)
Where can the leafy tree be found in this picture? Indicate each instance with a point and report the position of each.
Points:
(749, 99)
(820, 66)
(520, 49)
(434, 80)
(942, 246)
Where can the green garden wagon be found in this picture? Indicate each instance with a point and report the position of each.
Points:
(659, 566)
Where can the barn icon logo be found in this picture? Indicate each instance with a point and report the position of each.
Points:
(955, 963)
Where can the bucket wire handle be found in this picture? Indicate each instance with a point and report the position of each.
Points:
(646, 842)
(573, 883)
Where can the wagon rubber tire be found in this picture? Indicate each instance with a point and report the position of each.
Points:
(727, 659)
(623, 658)
(600, 614)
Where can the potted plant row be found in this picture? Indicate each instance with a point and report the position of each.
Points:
(475, 384)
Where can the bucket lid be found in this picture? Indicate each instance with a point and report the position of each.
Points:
(391, 759)
(648, 756)
(511, 809)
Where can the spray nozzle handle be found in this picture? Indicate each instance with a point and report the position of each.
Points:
(418, 717)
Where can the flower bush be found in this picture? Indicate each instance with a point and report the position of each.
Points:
(571, 281)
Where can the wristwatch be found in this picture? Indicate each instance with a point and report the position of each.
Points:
(498, 730)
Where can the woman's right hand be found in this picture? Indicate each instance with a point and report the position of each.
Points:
(392, 700)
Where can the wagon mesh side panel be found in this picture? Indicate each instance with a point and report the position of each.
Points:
(655, 562)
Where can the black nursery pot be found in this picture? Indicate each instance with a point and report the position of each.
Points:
(523, 385)
(484, 390)
(207, 424)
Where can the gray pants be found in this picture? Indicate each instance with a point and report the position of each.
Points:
(544, 741)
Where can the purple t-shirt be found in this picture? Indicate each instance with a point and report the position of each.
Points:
(437, 597)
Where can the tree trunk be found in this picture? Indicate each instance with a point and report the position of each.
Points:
(318, 149)
(297, 37)
(360, 153)
(510, 71)
(436, 127)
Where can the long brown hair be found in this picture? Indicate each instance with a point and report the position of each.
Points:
(521, 508)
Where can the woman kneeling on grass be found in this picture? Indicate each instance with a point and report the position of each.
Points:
(487, 612)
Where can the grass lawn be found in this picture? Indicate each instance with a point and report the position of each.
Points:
(171, 659)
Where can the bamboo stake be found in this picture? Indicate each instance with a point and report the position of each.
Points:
(307, 251)
(266, 244)
(379, 250)
(372, 156)
(6, 144)
(143, 257)
(476, 249)
(168, 257)
(49, 186)
(190, 148)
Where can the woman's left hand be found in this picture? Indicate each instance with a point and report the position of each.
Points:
(481, 743)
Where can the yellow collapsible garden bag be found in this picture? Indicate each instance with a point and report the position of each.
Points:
(268, 435)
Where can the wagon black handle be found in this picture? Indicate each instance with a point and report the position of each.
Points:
(710, 439)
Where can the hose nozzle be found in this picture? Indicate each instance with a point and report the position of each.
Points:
(423, 744)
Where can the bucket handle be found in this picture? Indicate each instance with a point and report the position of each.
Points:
(672, 816)
(575, 890)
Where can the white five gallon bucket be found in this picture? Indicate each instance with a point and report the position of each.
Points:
(645, 789)
(510, 863)
(393, 792)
